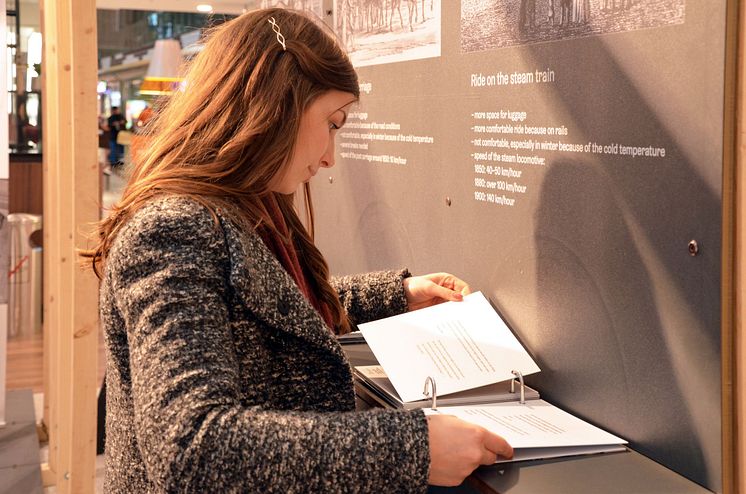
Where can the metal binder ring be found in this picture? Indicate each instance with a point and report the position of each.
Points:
(429, 391)
(520, 380)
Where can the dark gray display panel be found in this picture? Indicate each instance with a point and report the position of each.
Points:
(564, 157)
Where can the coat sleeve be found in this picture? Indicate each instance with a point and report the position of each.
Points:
(169, 271)
(371, 296)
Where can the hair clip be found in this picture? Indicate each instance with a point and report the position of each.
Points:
(276, 29)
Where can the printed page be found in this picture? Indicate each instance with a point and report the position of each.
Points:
(461, 345)
(537, 424)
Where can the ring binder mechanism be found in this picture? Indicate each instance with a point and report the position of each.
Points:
(430, 392)
(373, 383)
(523, 387)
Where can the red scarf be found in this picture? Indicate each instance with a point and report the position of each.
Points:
(286, 253)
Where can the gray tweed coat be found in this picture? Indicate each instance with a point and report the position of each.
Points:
(221, 377)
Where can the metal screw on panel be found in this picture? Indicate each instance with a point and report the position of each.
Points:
(331, 180)
(693, 248)
(448, 201)
(67, 475)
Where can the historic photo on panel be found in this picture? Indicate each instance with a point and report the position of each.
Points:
(487, 24)
(385, 31)
(315, 6)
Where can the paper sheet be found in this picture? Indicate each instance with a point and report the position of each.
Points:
(536, 424)
(462, 345)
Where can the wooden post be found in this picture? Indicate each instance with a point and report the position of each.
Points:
(71, 207)
(738, 269)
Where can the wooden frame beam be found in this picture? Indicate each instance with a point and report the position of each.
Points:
(738, 463)
(71, 207)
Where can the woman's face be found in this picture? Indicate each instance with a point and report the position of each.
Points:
(314, 146)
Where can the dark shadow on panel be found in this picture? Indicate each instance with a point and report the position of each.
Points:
(592, 285)
(604, 354)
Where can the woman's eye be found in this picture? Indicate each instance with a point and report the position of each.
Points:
(333, 126)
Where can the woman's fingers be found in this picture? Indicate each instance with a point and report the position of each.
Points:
(498, 445)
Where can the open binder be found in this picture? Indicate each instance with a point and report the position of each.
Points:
(460, 358)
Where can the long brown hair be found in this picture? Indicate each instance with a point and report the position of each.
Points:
(232, 128)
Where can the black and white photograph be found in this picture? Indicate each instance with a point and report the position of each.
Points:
(385, 31)
(489, 24)
(315, 6)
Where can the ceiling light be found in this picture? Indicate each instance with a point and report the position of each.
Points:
(163, 75)
(203, 7)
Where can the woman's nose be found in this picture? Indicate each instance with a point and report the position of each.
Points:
(327, 161)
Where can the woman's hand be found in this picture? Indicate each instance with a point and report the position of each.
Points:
(431, 289)
(458, 447)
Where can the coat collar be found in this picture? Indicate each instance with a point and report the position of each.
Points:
(270, 293)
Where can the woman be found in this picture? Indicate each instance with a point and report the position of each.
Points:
(223, 372)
